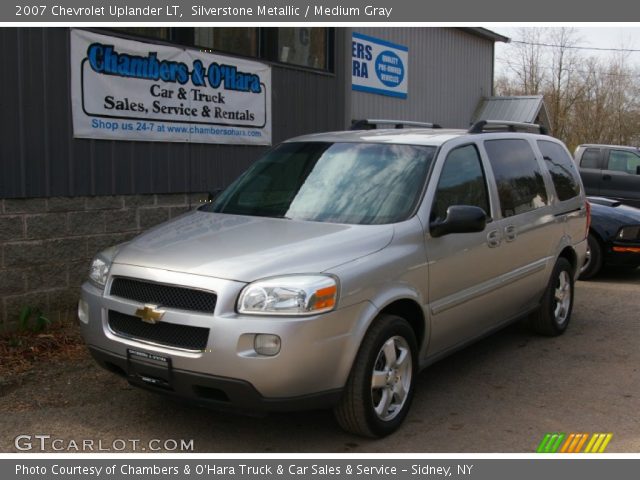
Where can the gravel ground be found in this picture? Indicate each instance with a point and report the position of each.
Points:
(500, 395)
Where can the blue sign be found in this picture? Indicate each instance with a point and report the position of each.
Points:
(379, 66)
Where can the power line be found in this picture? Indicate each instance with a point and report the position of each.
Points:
(586, 72)
(577, 47)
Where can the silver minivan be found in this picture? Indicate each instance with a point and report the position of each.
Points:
(341, 264)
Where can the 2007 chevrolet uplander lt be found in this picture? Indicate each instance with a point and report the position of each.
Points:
(339, 265)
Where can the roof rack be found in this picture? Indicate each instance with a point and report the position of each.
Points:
(482, 126)
(371, 124)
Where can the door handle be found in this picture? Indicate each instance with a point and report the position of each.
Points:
(606, 176)
(493, 239)
(510, 233)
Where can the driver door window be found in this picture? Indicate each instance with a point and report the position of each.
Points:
(462, 182)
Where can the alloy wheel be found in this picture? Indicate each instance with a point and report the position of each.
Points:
(391, 378)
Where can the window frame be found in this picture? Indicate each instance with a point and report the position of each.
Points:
(269, 52)
(258, 46)
(266, 53)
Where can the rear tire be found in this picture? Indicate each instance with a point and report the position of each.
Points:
(380, 387)
(554, 314)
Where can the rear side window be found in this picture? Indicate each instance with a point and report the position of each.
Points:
(462, 182)
(518, 176)
(563, 172)
(623, 161)
(590, 158)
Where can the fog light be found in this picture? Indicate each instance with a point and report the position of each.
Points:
(83, 311)
(267, 344)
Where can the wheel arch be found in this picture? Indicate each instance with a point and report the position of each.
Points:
(401, 301)
(570, 255)
(358, 409)
(410, 310)
(599, 236)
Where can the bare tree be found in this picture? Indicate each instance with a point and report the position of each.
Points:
(524, 62)
(564, 87)
(589, 100)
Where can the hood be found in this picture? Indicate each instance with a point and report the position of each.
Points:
(614, 210)
(246, 248)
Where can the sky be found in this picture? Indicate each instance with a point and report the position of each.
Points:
(600, 37)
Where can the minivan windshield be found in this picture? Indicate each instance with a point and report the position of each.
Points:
(354, 183)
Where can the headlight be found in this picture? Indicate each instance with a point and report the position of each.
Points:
(100, 266)
(629, 233)
(290, 295)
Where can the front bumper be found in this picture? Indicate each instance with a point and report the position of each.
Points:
(210, 390)
(623, 254)
(311, 369)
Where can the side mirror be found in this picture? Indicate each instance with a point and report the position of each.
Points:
(460, 219)
(638, 170)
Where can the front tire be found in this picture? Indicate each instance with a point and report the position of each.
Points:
(593, 261)
(380, 387)
(554, 314)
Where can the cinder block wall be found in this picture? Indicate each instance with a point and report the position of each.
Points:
(46, 245)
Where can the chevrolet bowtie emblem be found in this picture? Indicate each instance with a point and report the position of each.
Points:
(149, 314)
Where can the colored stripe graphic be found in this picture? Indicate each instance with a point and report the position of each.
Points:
(567, 447)
(573, 443)
(550, 443)
(598, 443)
(543, 443)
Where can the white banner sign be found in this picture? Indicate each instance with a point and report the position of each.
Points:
(378, 66)
(128, 90)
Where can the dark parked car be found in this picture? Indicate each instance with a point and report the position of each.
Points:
(611, 171)
(614, 236)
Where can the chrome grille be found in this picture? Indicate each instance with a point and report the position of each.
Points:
(164, 295)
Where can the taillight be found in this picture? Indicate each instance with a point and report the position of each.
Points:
(588, 207)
